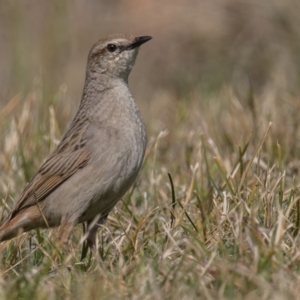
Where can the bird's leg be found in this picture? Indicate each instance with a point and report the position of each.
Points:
(90, 230)
(91, 239)
(64, 232)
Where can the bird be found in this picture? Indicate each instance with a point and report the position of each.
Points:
(99, 157)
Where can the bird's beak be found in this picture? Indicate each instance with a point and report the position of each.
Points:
(138, 41)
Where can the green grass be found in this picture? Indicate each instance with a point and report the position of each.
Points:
(215, 213)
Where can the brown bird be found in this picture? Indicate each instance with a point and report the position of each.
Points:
(99, 157)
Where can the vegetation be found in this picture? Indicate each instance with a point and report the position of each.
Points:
(215, 212)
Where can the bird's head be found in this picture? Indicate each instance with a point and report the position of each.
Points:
(115, 55)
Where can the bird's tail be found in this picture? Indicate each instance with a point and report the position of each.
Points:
(18, 224)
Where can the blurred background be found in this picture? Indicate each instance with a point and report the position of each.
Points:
(209, 83)
(221, 63)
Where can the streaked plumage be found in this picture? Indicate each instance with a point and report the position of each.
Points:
(100, 155)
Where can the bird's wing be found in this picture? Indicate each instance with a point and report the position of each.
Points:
(70, 155)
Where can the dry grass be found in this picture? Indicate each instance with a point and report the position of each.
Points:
(228, 228)
(215, 213)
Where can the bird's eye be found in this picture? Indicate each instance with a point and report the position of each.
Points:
(111, 47)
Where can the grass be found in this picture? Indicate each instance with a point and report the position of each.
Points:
(215, 212)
